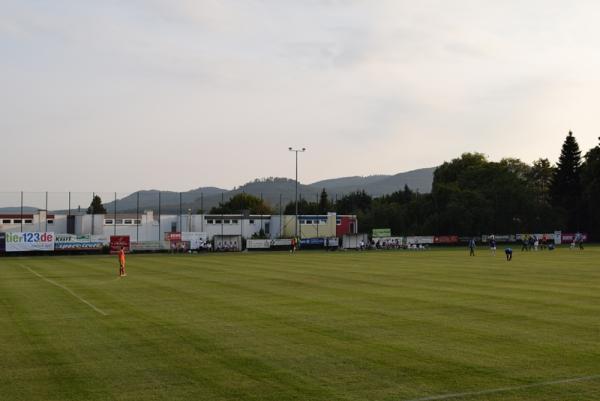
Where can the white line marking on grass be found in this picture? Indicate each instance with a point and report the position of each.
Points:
(505, 389)
(100, 311)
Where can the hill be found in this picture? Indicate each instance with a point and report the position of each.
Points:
(273, 190)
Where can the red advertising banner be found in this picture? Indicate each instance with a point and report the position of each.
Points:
(119, 241)
(173, 236)
(446, 239)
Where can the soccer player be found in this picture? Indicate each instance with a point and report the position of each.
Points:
(122, 263)
(493, 245)
(472, 247)
(579, 240)
(508, 252)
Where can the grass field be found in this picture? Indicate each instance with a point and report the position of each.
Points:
(311, 326)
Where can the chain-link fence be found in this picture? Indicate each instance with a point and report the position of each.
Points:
(149, 215)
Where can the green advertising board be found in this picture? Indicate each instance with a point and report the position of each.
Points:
(382, 232)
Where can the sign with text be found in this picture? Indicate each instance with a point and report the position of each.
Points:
(119, 241)
(173, 236)
(72, 238)
(29, 242)
(145, 246)
(445, 239)
(281, 242)
(258, 244)
(195, 239)
(420, 240)
(381, 232)
(78, 246)
(572, 237)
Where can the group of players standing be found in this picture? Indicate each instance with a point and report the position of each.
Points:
(529, 243)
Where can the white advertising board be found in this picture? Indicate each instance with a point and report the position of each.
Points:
(194, 238)
(258, 244)
(30, 241)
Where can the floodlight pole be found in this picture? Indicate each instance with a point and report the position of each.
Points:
(296, 197)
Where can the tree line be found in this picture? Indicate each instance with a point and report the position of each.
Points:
(472, 196)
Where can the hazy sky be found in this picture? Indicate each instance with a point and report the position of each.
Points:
(121, 95)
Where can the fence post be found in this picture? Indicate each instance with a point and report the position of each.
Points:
(21, 211)
(115, 216)
(137, 214)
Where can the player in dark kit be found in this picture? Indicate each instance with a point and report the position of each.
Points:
(508, 252)
(472, 247)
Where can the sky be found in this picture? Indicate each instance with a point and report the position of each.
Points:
(174, 95)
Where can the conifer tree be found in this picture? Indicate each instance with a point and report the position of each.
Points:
(566, 182)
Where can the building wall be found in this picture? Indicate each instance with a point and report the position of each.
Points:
(38, 223)
(347, 224)
(275, 226)
(310, 226)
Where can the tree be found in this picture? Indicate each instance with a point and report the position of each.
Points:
(566, 182)
(304, 207)
(590, 180)
(324, 205)
(540, 178)
(241, 202)
(96, 207)
(354, 202)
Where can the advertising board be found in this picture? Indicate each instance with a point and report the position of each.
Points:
(381, 232)
(567, 238)
(419, 240)
(29, 241)
(72, 242)
(78, 246)
(119, 241)
(195, 239)
(145, 246)
(446, 239)
(173, 236)
(258, 244)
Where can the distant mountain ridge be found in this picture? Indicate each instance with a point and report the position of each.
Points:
(376, 185)
(278, 191)
(274, 191)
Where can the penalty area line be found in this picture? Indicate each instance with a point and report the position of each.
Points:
(506, 389)
(100, 311)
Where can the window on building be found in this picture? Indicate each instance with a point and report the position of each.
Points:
(17, 221)
(210, 221)
(338, 221)
(226, 221)
(50, 221)
(218, 221)
(251, 221)
(6, 221)
(234, 221)
(267, 227)
(127, 221)
(109, 222)
(119, 221)
(28, 221)
(137, 221)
